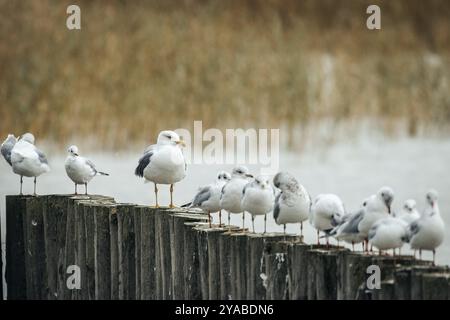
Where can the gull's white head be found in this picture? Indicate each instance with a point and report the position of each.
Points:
(73, 150)
(242, 172)
(223, 176)
(386, 194)
(28, 137)
(432, 197)
(409, 205)
(168, 137)
(262, 182)
(285, 181)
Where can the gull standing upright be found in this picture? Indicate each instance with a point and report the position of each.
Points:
(293, 203)
(257, 198)
(208, 197)
(231, 195)
(27, 160)
(325, 209)
(409, 212)
(7, 146)
(427, 232)
(79, 169)
(163, 162)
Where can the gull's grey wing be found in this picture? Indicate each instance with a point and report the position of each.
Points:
(203, 195)
(91, 164)
(6, 151)
(373, 231)
(143, 163)
(42, 157)
(276, 209)
(414, 228)
(353, 222)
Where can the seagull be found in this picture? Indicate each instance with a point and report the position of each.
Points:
(208, 197)
(79, 169)
(427, 232)
(378, 206)
(7, 146)
(258, 198)
(388, 233)
(409, 213)
(231, 195)
(346, 229)
(325, 209)
(163, 162)
(27, 160)
(293, 203)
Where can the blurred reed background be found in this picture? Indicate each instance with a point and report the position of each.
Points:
(238, 63)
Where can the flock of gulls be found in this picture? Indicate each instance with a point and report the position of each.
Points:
(372, 223)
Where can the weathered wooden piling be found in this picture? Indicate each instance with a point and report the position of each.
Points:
(126, 246)
(176, 227)
(297, 270)
(147, 245)
(225, 263)
(1, 261)
(420, 289)
(163, 262)
(192, 283)
(239, 261)
(114, 247)
(276, 270)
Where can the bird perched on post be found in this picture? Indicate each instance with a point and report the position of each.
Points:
(231, 195)
(79, 169)
(27, 160)
(293, 203)
(388, 233)
(163, 163)
(409, 212)
(208, 197)
(258, 199)
(325, 209)
(7, 146)
(427, 232)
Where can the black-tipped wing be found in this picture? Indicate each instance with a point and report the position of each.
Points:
(6, 152)
(203, 195)
(143, 163)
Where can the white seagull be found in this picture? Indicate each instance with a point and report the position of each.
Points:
(79, 169)
(258, 198)
(409, 212)
(326, 210)
(388, 233)
(427, 232)
(27, 160)
(163, 162)
(7, 146)
(231, 195)
(293, 203)
(208, 197)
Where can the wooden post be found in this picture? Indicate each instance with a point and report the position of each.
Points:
(354, 266)
(239, 261)
(202, 248)
(102, 251)
(1, 259)
(418, 290)
(435, 286)
(35, 256)
(225, 264)
(137, 250)
(55, 221)
(297, 271)
(148, 281)
(126, 246)
(256, 277)
(163, 263)
(114, 247)
(15, 275)
(89, 214)
(213, 236)
(176, 228)
(276, 271)
(192, 286)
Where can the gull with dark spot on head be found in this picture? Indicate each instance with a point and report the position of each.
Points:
(27, 160)
(79, 169)
(208, 197)
(257, 199)
(427, 232)
(163, 163)
(231, 195)
(293, 203)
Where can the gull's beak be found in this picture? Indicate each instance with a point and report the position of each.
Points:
(181, 142)
(76, 154)
(248, 175)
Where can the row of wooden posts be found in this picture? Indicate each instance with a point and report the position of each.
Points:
(126, 251)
